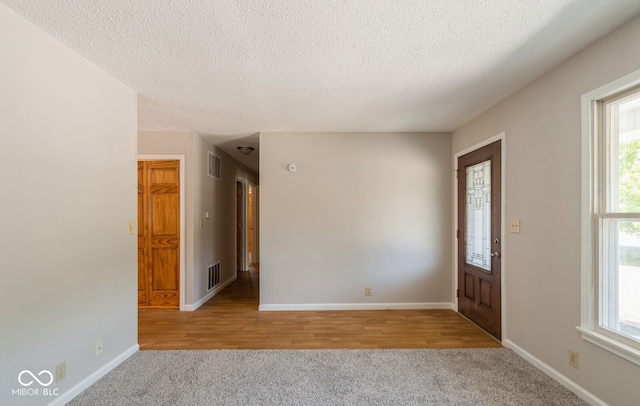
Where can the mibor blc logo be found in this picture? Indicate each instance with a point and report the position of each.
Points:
(30, 381)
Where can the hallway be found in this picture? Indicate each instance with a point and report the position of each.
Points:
(231, 320)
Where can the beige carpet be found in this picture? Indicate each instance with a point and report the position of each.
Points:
(327, 377)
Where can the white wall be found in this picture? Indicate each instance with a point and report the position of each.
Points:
(68, 268)
(214, 241)
(542, 124)
(363, 209)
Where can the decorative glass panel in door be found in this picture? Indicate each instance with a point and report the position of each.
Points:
(478, 218)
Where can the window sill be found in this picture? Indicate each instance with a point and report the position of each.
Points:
(625, 351)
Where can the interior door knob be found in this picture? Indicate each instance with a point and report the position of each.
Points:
(495, 254)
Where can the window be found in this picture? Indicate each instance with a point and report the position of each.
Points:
(611, 218)
(618, 217)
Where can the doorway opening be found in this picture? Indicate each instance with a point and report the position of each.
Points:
(252, 226)
(246, 225)
(240, 225)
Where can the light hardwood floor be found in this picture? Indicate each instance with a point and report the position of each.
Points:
(231, 320)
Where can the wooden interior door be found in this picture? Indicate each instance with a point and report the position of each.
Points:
(159, 233)
(143, 294)
(239, 226)
(250, 223)
(479, 237)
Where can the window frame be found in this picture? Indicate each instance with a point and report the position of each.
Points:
(595, 166)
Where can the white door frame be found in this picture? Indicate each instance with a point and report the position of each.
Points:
(183, 267)
(503, 212)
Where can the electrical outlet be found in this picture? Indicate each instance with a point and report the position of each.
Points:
(130, 227)
(61, 371)
(573, 359)
(368, 291)
(515, 226)
(98, 347)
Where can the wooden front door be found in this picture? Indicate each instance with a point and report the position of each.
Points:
(159, 233)
(479, 237)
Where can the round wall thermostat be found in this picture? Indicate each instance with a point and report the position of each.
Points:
(292, 168)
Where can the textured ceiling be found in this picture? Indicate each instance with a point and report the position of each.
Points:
(230, 68)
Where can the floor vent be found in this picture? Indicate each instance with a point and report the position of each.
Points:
(213, 167)
(214, 276)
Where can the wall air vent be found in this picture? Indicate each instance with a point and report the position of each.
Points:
(214, 276)
(214, 164)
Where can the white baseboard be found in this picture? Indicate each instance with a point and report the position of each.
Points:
(354, 306)
(91, 379)
(190, 308)
(563, 380)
